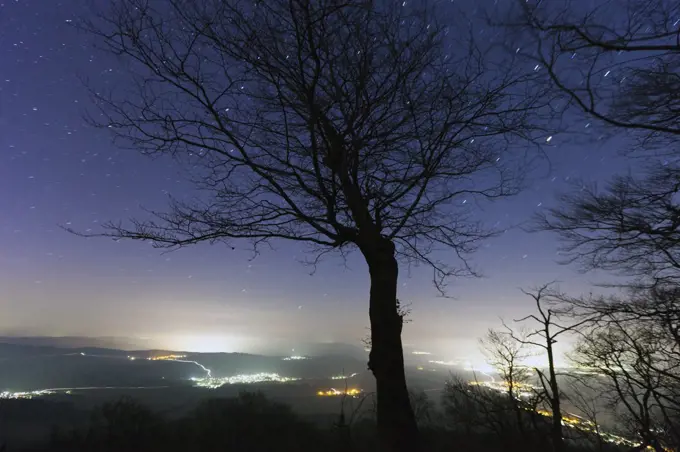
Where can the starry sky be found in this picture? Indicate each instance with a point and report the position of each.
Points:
(56, 170)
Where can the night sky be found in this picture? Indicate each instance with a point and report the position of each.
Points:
(55, 170)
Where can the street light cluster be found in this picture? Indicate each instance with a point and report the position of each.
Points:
(24, 395)
(166, 357)
(294, 358)
(568, 419)
(343, 377)
(335, 392)
(216, 382)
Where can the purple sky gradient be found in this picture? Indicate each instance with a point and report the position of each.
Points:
(54, 170)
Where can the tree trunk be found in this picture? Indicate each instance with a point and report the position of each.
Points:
(518, 411)
(558, 439)
(397, 426)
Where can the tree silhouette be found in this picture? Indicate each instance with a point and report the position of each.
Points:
(335, 124)
(634, 344)
(615, 60)
(621, 354)
(478, 412)
(123, 424)
(583, 393)
(250, 422)
(550, 322)
(618, 63)
(505, 355)
(475, 410)
(632, 227)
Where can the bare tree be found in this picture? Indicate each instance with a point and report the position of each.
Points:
(635, 346)
(584, 394)
(506, 356)
(423, 407)
(618, 61)
(477, 410)
(351, 412)
(333, 124)
(549, 324)
(621, 355)
(631, 228)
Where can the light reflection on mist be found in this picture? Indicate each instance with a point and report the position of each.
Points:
(211, 343)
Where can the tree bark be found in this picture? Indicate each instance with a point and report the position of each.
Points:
(397, 427)
(517, 409)
(558, 439)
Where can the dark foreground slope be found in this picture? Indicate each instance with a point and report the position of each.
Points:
(252, 422)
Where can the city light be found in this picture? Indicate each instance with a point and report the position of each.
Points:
(294, 358)
(343, 377)
(166, 357)
(573, 421)
(216, 382)
(178, 359)
(420, 353)
(569, 420)
(353, 392)
(25, 395)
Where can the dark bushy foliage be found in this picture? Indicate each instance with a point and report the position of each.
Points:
(247, 423)
(253, 423)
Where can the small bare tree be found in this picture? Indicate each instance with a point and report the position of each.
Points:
(549, 324)
(635, 345)
(621, 355)
(618, 63)
(335, 124)
(423, 407)
(506, 356)
(476, 410)
(584, 394)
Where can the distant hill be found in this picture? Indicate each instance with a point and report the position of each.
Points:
(17, 351)
(35, 363)
(29, 364)
(118, 343)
